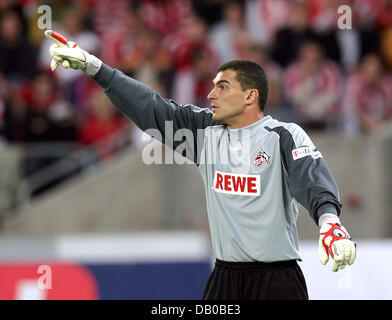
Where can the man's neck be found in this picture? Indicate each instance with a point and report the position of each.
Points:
(245, 122)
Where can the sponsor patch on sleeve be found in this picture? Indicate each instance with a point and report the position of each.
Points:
(306, 151)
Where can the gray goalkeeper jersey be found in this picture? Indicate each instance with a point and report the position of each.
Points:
(254, 176)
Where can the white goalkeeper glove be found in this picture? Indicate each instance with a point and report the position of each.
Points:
(69, 55)
(335, 241)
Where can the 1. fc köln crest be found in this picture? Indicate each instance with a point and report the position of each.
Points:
(261, 157)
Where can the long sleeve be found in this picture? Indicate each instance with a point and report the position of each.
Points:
(148, 110)
(310, 180)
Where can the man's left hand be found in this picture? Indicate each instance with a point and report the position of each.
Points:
(336, 242)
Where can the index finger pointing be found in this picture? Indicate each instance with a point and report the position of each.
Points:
(56, 38)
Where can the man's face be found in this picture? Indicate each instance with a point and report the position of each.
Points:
(227, 98)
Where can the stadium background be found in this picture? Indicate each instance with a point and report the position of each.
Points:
(75, 194)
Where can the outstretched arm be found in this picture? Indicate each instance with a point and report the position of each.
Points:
(135, 100)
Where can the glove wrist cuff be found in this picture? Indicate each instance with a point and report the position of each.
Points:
(93, 65)
(328, 218)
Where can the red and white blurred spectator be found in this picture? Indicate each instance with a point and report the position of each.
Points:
(373, 13)
(228, 36)
(365, 11)
(264, 17)
(181, 44)
(119, 21)
(323, 14)
(37, 112)
(110, 21)
(130, 42)
(367, 101)
(312, 86)
(102, 125)
(165, 16)
(192, 84)
(143, 58)
(48, 116)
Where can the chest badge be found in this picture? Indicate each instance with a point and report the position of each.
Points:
(261, 158)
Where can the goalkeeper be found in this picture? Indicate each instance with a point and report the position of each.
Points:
(255, 169)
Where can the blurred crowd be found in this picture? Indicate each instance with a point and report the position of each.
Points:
(320, 76)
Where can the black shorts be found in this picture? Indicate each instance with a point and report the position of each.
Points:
(281, 280)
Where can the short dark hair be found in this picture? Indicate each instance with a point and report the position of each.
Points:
(250, 75)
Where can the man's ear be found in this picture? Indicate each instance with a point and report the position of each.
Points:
(252, 96)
